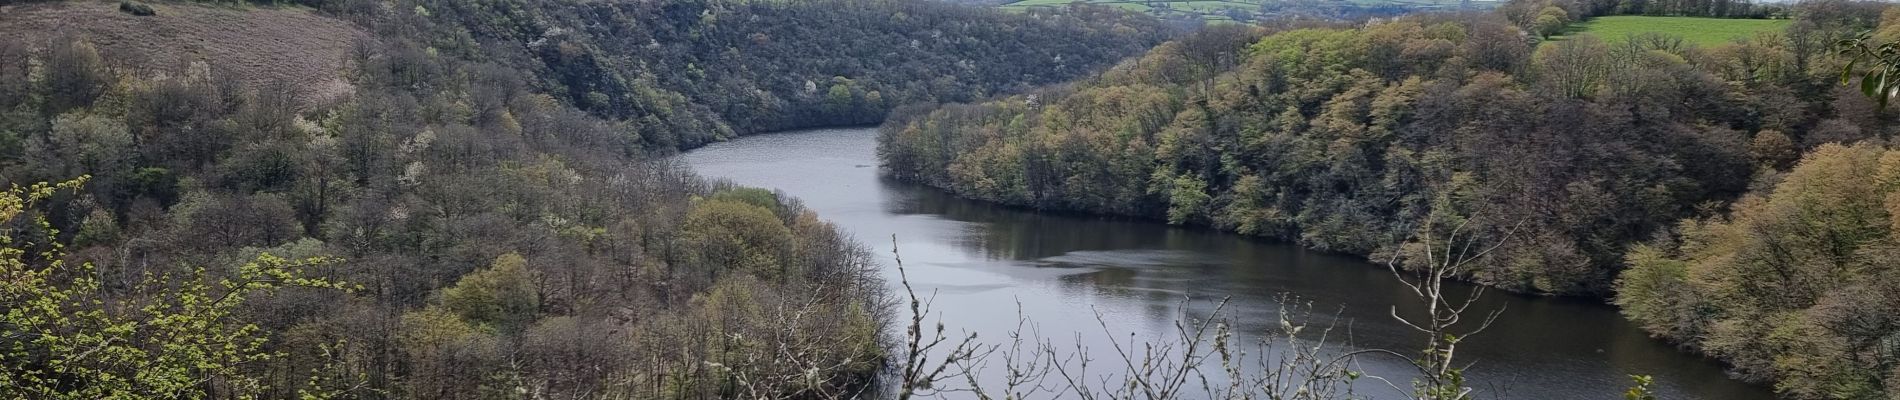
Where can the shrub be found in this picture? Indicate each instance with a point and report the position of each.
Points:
(136, 8)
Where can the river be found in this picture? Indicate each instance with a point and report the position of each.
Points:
(1087, 279)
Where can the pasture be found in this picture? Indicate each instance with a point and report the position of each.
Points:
(1216, 10)
(1704, 32)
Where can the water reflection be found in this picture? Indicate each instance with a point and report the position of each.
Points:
(1078, 276)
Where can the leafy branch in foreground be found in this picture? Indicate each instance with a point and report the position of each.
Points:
(1880, 79)
(63, 335)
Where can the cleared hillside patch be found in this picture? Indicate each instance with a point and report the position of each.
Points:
(1703, 32)
(258, 45)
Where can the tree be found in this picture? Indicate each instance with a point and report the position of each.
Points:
(839, 99)
(1772, 149)
(1495, 46)
(1551, 21)
(210, 220)
(1578, 67)
(448, 356)
(1187, 199)
(1432, 259)
(16, 73)
(501, 297)
(99, 146)
(734, 235)
(75, 76)
(173, 121)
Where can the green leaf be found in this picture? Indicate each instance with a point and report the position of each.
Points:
(1890, 92)
(1847, 73)
(1883, 85)
(1867, 83)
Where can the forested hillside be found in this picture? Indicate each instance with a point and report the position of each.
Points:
(457, 202)
(1799, 281)
(1568, 153)
(688, 72)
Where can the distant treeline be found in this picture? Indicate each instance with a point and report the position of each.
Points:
(1525, 12)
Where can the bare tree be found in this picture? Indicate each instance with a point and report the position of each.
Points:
(920, 374)
(1440, 378)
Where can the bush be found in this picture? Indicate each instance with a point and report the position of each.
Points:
(136, 8)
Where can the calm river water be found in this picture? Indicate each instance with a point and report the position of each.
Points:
(1083, 278)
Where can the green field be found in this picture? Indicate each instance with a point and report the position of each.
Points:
(1703, 32)
(1219, 9)
(1212, 10)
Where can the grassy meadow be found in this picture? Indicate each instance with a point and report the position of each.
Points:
(1703, 32)
(1215, 10)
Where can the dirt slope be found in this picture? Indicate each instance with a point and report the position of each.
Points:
(259, 44)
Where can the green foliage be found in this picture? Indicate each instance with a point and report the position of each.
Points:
(1349, 140)
(1879, 78)
(99, 227)
(92, 143)
(75, 77)
(67, 337)
(1641, 390)
(732, 234)
(1451, 387)
(501, 297)
(156, 183)
(686, 73)
(444, 164)
(1655, 291)
(753, 196)
(450, 357)
(1187, 198)
(1551, 21)
(1344, 140)
(1773, 285)
(737, 322)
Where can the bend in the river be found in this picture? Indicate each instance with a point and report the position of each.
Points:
(1064, 271)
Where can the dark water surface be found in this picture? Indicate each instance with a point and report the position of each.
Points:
(1074, 274)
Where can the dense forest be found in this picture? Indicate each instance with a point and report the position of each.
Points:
(1798, 280)
(1583, 157)
(690, 72)
(498, 244)
(471, 200)
(474, 212)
